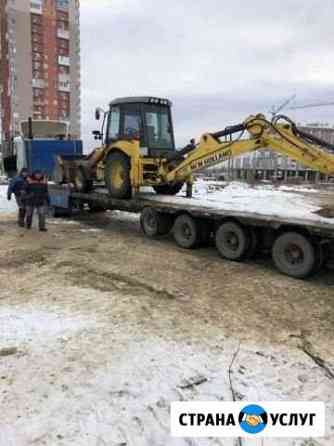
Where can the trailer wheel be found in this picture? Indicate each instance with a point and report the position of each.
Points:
(320, 257)
(253, 243)
(117, 175)
(232, 241)
(81, 182)
(154, 223)
(205, 231)
(58, 212)
(168, 189)
(187, 231)
(294, 255)
(94, 208)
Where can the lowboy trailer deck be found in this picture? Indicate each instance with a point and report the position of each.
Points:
(299, 246)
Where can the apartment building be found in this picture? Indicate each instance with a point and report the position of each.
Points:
(39, 63)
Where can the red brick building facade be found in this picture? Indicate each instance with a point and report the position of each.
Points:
(39, 63)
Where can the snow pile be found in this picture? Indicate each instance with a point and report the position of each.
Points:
(5, 205)
(301, 189)
(204, 187)
(263, 200)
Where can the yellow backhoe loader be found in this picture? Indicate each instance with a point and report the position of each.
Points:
(138, 149)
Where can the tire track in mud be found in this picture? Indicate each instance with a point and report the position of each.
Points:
(106, 281)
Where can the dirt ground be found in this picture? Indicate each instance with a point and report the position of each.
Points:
(101, 328)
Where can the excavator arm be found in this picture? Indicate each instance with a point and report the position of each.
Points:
(280, 135)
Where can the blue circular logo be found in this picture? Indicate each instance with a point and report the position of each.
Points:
(253, 419)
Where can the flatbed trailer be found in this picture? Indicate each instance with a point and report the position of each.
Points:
(299, 246)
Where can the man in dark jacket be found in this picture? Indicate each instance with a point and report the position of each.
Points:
(17, 187)
(37, 197)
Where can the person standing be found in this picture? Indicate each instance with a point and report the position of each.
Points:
(17, 186)
(37, 198)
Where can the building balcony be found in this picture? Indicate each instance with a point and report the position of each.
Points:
(64, 86)
(64, 60)
(36, 7)
(62, 77)
(63, 33)
(38, 83)
(62, 5)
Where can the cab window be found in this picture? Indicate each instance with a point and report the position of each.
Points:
(158, 127)
(132, 124)
(114, 121)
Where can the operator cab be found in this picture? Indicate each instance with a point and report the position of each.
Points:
(145, 118)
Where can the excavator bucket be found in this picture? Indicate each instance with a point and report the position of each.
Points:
(66, 167)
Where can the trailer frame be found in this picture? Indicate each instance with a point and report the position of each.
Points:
(158, 217)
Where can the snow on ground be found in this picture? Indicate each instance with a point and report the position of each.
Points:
(109, 331)
(124, 399)
(5, 205)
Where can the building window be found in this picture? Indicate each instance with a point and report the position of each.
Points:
(63, 43)
(62, 5)
(63, 25)
(36, 19)
(37, 48)
(64, 70)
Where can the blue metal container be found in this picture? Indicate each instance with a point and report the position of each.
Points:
(41, 154)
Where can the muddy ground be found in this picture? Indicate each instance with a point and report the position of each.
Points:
(101, 328)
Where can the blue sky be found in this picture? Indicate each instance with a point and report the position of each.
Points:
(217, 61)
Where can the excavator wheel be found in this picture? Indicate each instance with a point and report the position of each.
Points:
(188, 232)
(295, 255)
(117, 175)
(168, 189)
(232, 241)
(154, 223)
(81, 182)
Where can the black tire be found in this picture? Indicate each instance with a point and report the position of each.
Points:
(58, 212)
(117, 175)
(253, 243)
(232, 241)
(187, 231)
(54, 212)
(294, 255)
(81, 181)
(205, 229)
(154, 223)
(168, 189)
(321, 256)
(93, 208)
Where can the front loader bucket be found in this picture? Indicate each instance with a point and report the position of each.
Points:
(66, 167)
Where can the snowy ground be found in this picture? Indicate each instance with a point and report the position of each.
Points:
(104, 328)
(5, 205)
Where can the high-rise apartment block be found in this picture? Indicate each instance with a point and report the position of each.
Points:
(39, 63)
